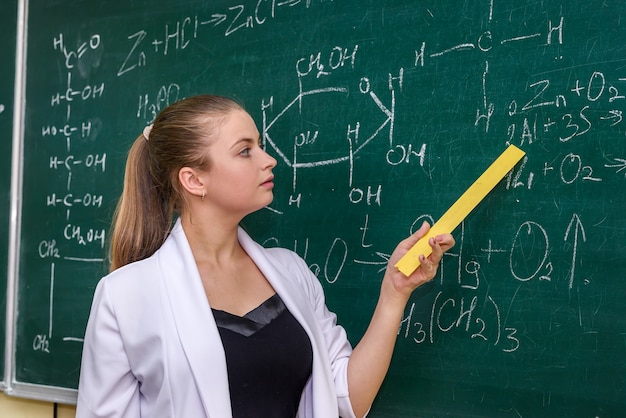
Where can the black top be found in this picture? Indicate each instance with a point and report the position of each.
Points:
(269, 359)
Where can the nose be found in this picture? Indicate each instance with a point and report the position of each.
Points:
(271, 161)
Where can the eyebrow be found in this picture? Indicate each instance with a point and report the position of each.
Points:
(246, 140)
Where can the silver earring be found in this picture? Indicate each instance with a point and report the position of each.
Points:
(202, 194)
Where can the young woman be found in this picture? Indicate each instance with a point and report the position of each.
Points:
(198, 320)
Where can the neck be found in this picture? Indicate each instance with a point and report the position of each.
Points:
(211, 242)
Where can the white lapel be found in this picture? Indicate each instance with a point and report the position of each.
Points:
(294, 297)
(324, 402)
(195, 324)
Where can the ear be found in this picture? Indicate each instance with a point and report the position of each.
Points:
(191, 181)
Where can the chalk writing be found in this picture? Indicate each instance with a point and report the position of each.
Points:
(448, 315)
(178, 35)
(71, 236)
(378, 116)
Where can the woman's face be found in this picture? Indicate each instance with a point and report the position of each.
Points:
(240, 180)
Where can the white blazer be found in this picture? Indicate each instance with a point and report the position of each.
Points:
(152, 348)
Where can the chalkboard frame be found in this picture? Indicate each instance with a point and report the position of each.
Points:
(9, 385)
(8, 103)
(14, 186)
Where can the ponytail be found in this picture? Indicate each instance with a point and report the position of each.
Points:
(141, 220)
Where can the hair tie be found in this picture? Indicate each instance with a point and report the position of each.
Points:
(146, 132)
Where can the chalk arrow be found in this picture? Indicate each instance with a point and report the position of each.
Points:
(383, 262)
(577, 231)
(216, 19)
(621, 165)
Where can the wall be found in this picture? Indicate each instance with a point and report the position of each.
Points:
(11, 407)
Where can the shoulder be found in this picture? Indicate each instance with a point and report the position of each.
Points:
(290, 266)
(278, 256)
(137, 271)
(128, 300)
(129, 284)
(299, 271)
(139, 274)
(286, 257)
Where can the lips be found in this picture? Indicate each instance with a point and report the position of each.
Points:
(268, 182)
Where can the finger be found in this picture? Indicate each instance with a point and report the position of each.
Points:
(411, 240)
(429, 268)
(437, 251)
(446, 241)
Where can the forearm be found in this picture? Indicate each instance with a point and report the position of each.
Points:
(370, 359)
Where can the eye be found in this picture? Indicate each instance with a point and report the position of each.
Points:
(245, 152)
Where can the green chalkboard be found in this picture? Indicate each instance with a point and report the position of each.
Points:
(8, 21)
(380, 114)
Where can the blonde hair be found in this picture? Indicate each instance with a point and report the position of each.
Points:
(152, 195)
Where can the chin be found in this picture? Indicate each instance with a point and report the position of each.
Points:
(264, 204)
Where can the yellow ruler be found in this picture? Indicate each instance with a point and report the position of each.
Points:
(462, 207)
